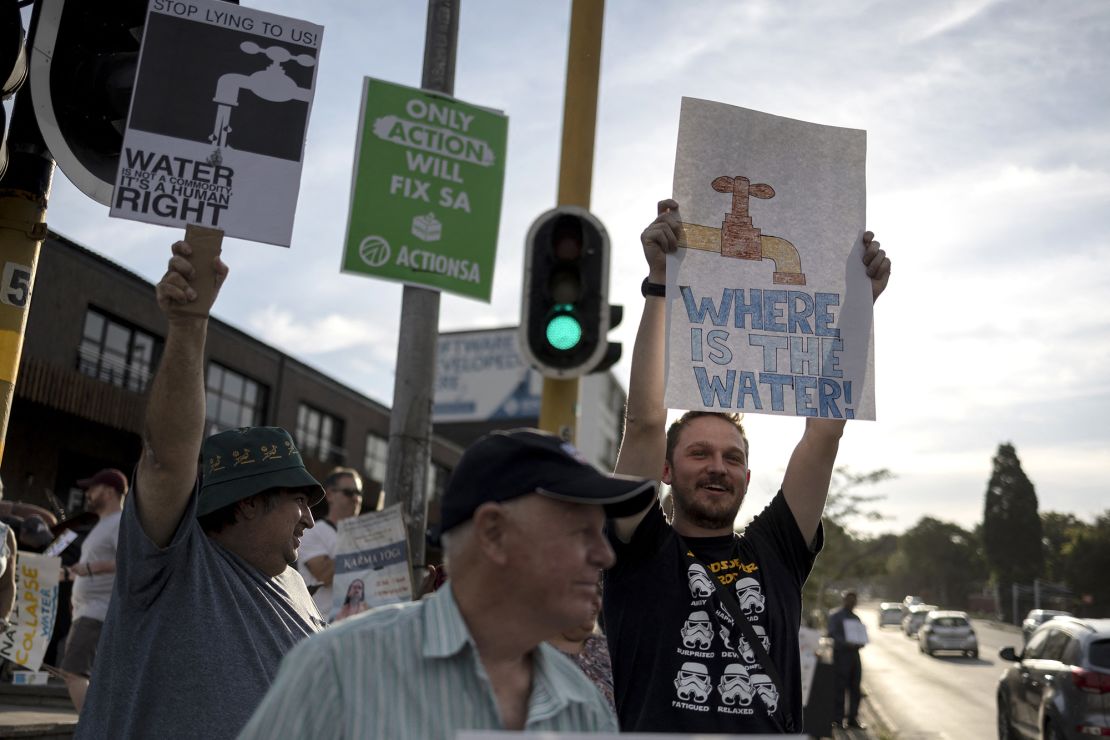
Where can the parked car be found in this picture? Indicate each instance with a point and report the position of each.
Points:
(1058, 686)
(1035, 618)
(915, 618)
(890, 612)
(948, 631)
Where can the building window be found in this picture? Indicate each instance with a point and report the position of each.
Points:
(233, 400)
(116, 352)
(377, 453)
(320, 434)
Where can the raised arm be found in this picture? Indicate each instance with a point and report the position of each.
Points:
(175, 409)
(644, 444)
(809, 472)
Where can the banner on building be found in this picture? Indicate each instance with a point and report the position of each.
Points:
(482, 376)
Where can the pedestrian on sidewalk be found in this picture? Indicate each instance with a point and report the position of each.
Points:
(849, 635)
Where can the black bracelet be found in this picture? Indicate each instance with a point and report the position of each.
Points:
(649, 288)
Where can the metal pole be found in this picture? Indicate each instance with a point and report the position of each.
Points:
(24, 191)
(1036, 593)
(410, 421)
(559, 406)
(1014, 594)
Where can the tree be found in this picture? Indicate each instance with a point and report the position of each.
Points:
(1085, 565)
(938, 561)
(847, 558)
(1011, 527)
(1059, 531)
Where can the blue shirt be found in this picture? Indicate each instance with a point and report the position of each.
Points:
(413, 671)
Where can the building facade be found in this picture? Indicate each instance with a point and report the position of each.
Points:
(93, 341)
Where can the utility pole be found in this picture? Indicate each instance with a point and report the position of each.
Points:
(24, 190)
(559, 406)
(410, 420)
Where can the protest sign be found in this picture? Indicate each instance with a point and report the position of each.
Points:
(481, 376)
(371, 563)
(216, 132)
(769, 308)
(31, 623)
(426, 190)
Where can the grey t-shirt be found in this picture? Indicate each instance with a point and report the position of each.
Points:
(193, 637)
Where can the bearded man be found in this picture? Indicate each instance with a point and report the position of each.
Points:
(702, 622)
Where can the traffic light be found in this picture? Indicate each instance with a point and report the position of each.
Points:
(13, 68)
(81, 79)
(565, 314)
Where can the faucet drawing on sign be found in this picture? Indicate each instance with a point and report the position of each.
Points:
(270, 84)
(738, 237)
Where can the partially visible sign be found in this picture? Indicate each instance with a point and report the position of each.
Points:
(371, 563)
(482, 376)
(31, 623)
(426, 191)
(218, 118)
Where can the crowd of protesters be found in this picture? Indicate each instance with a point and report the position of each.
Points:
(204, 596)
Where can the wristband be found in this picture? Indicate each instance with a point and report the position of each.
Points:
(648, 288)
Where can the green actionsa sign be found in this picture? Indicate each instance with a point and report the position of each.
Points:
(426, 191)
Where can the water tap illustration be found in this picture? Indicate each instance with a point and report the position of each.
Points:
(741, 239)
(270, 84)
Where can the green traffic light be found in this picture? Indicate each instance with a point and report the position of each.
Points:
(564, 332)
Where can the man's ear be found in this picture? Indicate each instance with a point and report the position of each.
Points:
(667, 473)
(249, 508)
(490, 530)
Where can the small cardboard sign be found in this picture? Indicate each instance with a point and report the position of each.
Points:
(31, 623)
(426, 190)
(371, 563)
(216, 132)
(769, 307)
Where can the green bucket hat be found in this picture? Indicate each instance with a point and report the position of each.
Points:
(243, 462)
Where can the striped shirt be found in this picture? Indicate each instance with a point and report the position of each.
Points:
(412, 671)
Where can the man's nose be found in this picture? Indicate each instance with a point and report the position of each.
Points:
(602, 554)
(306, 517)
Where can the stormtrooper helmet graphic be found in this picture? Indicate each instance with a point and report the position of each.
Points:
(750, 596)
(735, 687)
(764, 687)
(697, 632)
(700, 585)
(692, 683)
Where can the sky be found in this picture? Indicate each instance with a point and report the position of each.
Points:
(988, 183)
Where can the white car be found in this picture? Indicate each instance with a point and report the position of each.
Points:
(890, 612)
(948, 631)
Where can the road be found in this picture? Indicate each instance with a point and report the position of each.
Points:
(946, 696)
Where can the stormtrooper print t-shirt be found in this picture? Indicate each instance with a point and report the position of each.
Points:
(680, 664)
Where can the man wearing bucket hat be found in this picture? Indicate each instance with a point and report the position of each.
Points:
(522, 526)
(205, 602)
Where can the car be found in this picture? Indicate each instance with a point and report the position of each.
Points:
(1035, 618)
(948, 631)
(915, 618)
(911, 601)
(890, 612)
(1058, 686)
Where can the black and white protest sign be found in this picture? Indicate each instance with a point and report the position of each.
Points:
(218, 119)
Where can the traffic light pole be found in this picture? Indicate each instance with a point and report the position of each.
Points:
(24, 191)
(410, 420)
(559, 405)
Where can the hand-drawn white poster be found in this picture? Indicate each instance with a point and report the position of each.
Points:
(217, 125)
(769, 308)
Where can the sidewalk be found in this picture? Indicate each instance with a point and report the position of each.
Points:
(42, 712)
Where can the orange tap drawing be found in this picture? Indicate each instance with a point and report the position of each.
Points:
(739, 238)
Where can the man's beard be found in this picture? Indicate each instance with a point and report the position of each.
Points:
(695, 512)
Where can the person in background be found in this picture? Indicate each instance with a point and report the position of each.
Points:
(93, 576)
(849, 635)
(342, 500)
